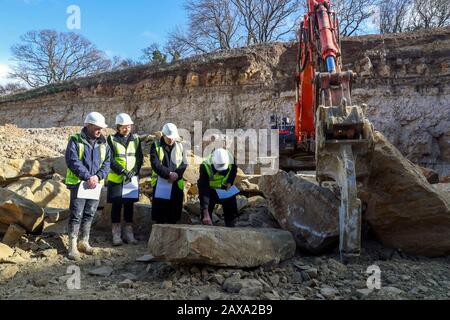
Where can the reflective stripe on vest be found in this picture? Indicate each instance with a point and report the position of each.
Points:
(216, 180)
(71, 177)
(178, 161)
(126, 158)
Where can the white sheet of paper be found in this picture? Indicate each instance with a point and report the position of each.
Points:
(89, 194)
(131, 189)
(224, 194)
(163, 189)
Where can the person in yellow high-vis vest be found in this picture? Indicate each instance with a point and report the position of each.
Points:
(218, 171)
(168, 162)
(87, 159)
(126, 162)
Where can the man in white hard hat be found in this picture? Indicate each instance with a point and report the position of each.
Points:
(218, 171)
(126, 162)
(168, 162)
(88, 160)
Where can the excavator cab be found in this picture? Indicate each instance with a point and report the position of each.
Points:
(286, 131)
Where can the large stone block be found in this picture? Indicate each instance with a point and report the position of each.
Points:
(309, 212)
(16, 209)
(219, 246)
(404, 210)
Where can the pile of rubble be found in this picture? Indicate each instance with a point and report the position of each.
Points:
(277, 214)
(34, 199)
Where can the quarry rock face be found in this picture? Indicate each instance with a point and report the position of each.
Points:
(403, 78)
(219, 246)
(309, 212)
(409, 109)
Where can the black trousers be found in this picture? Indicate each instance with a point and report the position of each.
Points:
(128, 207)
(229, 206)
(168, 211)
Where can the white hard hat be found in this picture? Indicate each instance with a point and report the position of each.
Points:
(97, 119)
(221, 159)
(123, 119)
(170, 131)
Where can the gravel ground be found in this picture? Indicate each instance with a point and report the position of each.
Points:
(43, 275)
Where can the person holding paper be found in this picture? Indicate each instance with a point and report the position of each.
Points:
(87, 159)
(126, 162)
(169, 163)
(218, 171)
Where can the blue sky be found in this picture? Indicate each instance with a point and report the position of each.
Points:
(118, 27)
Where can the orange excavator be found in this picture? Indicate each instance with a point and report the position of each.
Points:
(327, 123)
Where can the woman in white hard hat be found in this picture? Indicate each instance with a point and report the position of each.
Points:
(218, 171)
(168, 162)
(126, 162)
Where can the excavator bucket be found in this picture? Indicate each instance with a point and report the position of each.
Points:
(344, 148)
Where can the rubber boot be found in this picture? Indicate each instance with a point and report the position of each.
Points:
(129, 236)
(117, 234)
(73, 253)
(84, 246)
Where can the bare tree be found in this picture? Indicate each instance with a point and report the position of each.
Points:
(175, 48)
(430, 14)
(11, 88)
(213, 24)
(353, 14)
(47, 56)
(188, 42)
(267, 20)
(225, 24)
(394, 15)
(247, 9)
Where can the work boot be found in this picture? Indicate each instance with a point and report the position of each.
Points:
(73, 253)
(117, 234)
(129, 236)
(84, 246)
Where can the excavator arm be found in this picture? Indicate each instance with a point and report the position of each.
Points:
(326, 120)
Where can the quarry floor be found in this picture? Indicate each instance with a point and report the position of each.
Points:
(302, 277)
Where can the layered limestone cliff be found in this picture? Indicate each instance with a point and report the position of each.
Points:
(403, 78)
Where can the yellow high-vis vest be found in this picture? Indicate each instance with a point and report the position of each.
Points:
(125, 157)
(216, 180)
(71, 177)
(178, 161)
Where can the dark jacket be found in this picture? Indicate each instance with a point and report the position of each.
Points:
(205, 190)
(164, 168)
(90, 164)
(115, 189)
